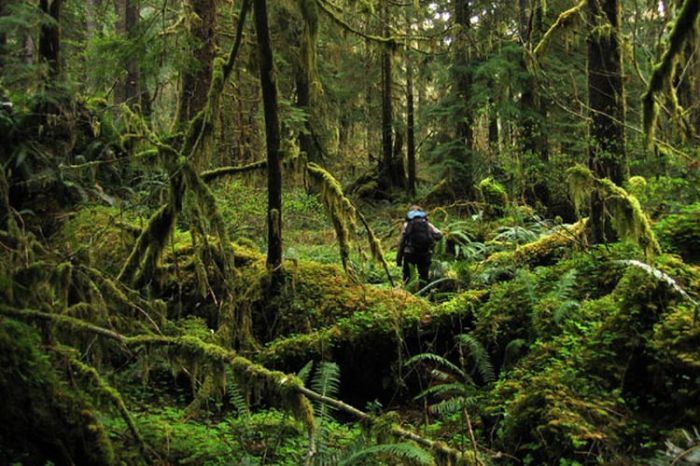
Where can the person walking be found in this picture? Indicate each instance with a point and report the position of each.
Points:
(418, 237)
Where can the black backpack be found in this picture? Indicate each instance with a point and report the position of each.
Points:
(419, 238)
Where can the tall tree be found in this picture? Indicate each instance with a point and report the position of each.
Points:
(410, 128)
(50, 38)
(128, 89)
(272, 137)
(606, 99)
(532, 109)
(201, 20)
(305, 73)
(385, 167)
(463, 80)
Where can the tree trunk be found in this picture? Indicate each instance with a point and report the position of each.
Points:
(196, 79)
(50, 38)
(128, 89)
(3, 37)
(606, 99)
(410, 131)
(306, 142)
(385, 176)
(398, 172)
(272, 132)
(532, 110)
(463, 81)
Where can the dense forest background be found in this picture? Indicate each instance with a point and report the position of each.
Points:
(201, 201)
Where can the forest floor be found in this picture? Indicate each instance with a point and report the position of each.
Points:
(529, 346)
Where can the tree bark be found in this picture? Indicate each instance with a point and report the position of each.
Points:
(410, 130)
(50, 38)
(463, 81)
(196, 80)
(532, 110)
(606, 99)
(3, 37)
(272, 132)
(385, 176)
(128, 89)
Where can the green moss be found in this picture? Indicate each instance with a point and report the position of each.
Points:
(100, 236)
(494, 196)
(43, 418)
(680, 233)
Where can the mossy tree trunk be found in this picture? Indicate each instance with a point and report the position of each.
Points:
(304, 75)
(128, 89)
(606, 99)
(532, 109)
(463, 83)
(50, 38)
(272, 133)
(688, 79)
(195, 81)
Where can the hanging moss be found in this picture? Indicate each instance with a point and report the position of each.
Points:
(567, 19)
(264, 381)
(625, 212)
(339, 208)
(663, 74)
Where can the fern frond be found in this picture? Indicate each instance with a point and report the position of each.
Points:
(564, 309)
(236, 396)
(326, 381)
(481, 358)
(443, 389)
(452, 405)
(440, 361)
(305, 372)
(393, 452)
(512, 351)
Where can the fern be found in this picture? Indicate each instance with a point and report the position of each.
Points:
(512, 351)
(479, 355)
(236, 395)
(394, 453)
(435, 359)
(453, 405)
(305, 372)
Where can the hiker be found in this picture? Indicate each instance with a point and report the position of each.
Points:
(418, 236)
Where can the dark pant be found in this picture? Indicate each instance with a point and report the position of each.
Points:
(421, 261)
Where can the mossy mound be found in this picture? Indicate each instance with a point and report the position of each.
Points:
(592, 381)
(680, 233)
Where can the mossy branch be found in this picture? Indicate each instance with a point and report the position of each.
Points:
(103, 388)
(210, 175)
(344, 24)
(628, 218)
(566, 19)
(663, 72)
